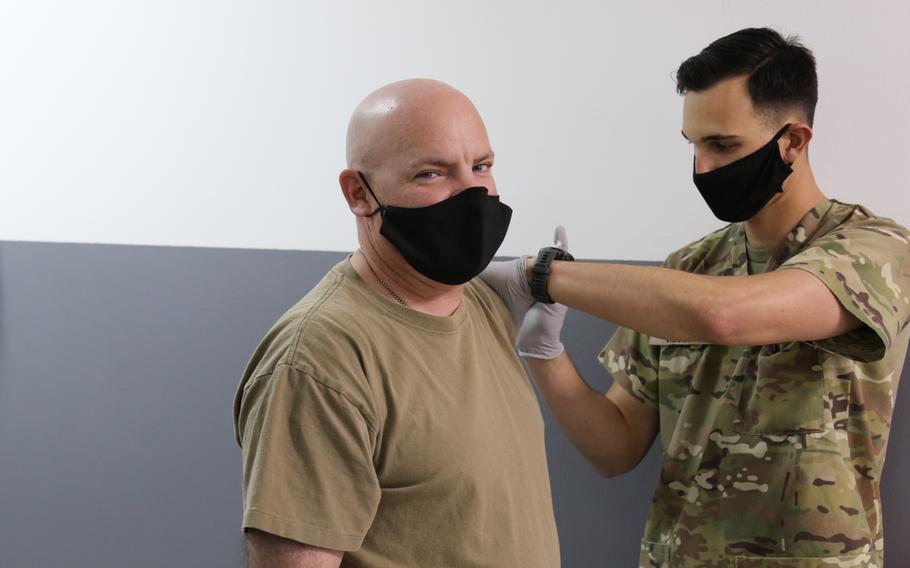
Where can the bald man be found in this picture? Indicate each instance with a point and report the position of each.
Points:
(385, 420)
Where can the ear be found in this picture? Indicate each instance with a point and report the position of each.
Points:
(795, 141)
(355, 193)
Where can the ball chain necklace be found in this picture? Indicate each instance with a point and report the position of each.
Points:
(382, 283)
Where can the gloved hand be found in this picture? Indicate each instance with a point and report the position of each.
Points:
(509, 279)
(538, 336)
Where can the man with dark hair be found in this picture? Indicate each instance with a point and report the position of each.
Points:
(766, 355)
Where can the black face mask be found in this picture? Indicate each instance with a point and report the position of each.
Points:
(739, 190)
(451, 241)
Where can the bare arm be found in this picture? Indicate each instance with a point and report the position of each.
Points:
(614, 431)
(270, 551)
(780, 306)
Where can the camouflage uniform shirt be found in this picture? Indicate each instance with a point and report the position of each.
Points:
(772, 454)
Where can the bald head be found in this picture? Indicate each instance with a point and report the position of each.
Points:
(411, 144)
(392, 119)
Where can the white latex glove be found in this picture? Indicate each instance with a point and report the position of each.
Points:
(538, 336)
(509, 279)
(560, 240)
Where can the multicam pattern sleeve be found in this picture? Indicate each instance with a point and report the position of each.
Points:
(633, 363)
(866, 264)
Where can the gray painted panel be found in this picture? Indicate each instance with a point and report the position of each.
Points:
(117, 369)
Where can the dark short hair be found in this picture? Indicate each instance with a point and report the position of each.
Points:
(781, 71)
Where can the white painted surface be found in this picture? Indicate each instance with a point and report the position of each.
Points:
(222, 123)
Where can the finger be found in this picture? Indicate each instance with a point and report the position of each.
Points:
(560, 240)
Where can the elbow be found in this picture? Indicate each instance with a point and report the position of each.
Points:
(720, 323)
(610, 473)
(611, 469)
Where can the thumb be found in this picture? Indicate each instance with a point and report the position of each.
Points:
(560, 239)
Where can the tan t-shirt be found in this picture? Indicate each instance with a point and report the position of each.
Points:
(401, 438)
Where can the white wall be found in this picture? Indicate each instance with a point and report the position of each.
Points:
(215, 123)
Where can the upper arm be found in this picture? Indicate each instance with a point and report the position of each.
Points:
(778, 307)
(308, 471)
(847, 292)
(266, 550)
(642, 422)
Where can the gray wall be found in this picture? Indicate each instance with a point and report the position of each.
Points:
(117, 369)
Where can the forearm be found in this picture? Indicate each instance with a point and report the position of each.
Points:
(780, 306)
(593, 423)
(266, 550)
(665, 303)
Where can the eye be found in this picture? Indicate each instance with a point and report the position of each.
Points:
(483, 168)
(427, 175)
(721, 147)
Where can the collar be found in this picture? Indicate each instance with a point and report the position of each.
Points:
(823, 217)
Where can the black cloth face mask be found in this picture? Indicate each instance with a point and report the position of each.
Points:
(737, 191)
(451, 241)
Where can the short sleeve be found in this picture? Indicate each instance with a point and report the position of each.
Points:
(308, 472)
(867, 268)
(633, 363)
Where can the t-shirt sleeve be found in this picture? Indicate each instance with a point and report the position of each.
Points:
(867, 268)
(308, 471)
(634, 364)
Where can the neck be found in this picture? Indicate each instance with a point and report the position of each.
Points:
(768, 228)
(420, 293)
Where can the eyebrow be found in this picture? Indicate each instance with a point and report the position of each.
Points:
(711, 137)
(429, 161)
(443, 163)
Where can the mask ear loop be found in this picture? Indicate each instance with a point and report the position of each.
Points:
(370, 189)
(790, 165)
(780, 133)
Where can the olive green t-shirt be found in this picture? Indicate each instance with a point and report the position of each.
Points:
(401, 438)
(773, 454)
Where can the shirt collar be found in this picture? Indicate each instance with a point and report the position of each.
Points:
(816, 222)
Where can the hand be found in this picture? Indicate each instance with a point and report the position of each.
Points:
(538, 336)
(509, 280)
(560, 240)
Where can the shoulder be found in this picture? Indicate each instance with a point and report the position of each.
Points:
(318, 336)
(859, 236)
(706, 250)
(311, 346)
(490, 307)
(864, 260)
(860, 223)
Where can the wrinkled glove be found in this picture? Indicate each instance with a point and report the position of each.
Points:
(538, 336)
(509, 279)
